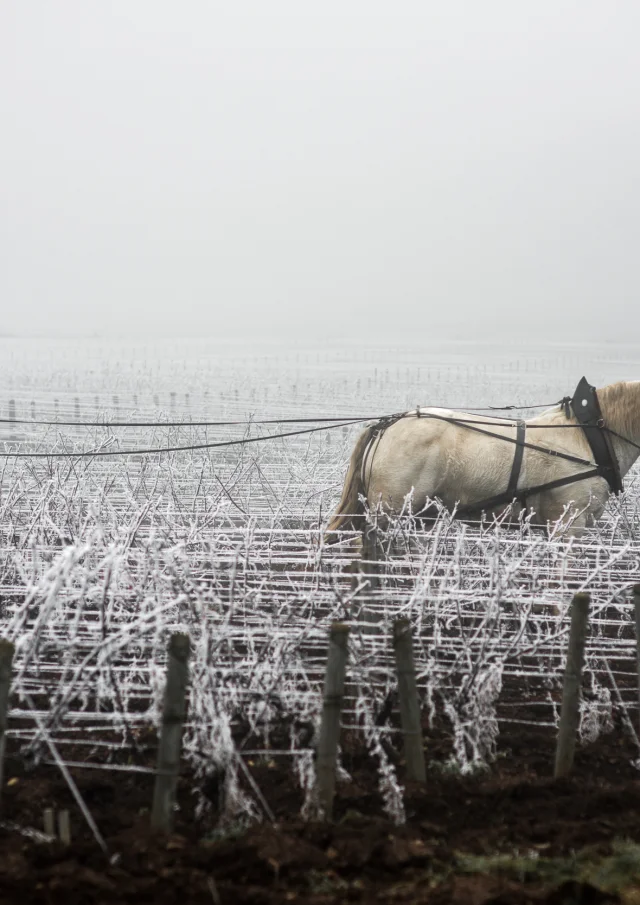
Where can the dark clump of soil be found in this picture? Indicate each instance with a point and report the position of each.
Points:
(444, 853)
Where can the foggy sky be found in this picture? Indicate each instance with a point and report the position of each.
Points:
(320, 168)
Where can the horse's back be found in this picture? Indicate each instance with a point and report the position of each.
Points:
(434, 455)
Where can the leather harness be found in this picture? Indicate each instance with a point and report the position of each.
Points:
(514, 477)
(586, 408)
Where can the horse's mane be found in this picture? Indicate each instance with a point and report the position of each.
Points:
(620, 403)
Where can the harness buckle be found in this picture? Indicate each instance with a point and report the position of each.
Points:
(601, 422)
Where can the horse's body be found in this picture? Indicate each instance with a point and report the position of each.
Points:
(431, 458)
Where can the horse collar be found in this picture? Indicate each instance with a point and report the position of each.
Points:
(586, 408)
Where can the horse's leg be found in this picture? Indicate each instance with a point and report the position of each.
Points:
(371, 565)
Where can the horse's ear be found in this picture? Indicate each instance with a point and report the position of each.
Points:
(585, 402)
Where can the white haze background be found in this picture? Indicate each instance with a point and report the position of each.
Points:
(309, 170)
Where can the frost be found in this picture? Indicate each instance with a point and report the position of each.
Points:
(101, 560)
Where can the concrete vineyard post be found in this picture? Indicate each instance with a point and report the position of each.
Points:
(173, 714)
(6, 661)
(330, 726)
(570, 711)
(409, 704)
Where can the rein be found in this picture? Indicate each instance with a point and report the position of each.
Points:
(471, 425)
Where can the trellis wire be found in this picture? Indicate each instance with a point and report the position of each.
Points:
(102, 561)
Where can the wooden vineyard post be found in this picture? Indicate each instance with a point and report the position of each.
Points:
(570, 711)
(409, 704)
(370, 571)
(12, 417)
(330, 725)
(173, 714)
(636, 608)
(6, 661)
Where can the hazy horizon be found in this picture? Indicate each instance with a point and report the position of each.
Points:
(356, 170)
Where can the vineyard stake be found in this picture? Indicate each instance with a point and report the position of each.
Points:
(409, 704)
(569, 713)
(636, 607)
(173, 714)
(6, 660)
(330, 725)
(86, 813)
(48, 822)
(12, 415)
(64, 827)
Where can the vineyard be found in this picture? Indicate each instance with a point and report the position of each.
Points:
(108, 548)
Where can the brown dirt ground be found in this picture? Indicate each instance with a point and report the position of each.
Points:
(361, 857)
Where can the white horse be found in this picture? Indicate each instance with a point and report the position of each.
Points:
(439, 454)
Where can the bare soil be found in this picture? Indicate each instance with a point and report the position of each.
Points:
(443, 854)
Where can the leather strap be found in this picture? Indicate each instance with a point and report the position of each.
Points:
(512, 487)
(376, 434)
(501, 499)
(586, 408)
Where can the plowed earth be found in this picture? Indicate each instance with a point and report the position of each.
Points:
(515, 808)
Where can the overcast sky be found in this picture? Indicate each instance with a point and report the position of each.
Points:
(320, 168)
